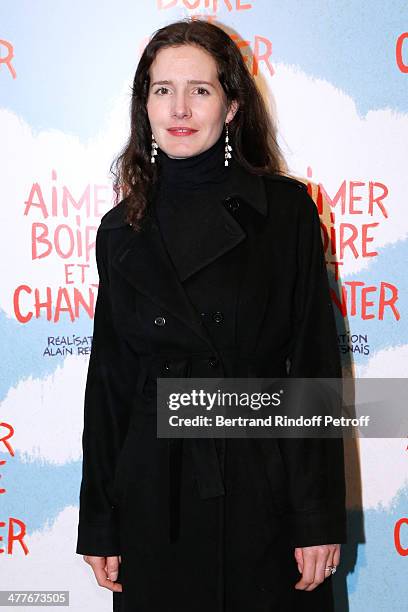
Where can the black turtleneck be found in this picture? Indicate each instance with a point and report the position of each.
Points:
(198, 172)
(187, 189)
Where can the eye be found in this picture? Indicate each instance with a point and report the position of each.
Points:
(202, 89)
(161, 89)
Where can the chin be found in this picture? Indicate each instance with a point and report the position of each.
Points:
(183, 150)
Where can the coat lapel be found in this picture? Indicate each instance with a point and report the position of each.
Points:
(145, 263)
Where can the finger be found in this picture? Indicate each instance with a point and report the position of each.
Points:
(336, 556)
(320, 572)
(112, 568)
(103, 580)
(299, 559)
(328, 572)
(333, 559)
(308, 573)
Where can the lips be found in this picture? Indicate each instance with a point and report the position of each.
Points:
(181, 131)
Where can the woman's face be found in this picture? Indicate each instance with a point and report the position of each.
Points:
(186, 104)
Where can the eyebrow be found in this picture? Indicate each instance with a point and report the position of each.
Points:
(190, 82)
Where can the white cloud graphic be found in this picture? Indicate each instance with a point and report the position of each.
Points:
(47, 413)
(53, 565)
(390, 362)
(383, 461)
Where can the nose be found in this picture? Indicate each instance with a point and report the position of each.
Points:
(180, 107)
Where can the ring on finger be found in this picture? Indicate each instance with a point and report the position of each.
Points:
(331, 568)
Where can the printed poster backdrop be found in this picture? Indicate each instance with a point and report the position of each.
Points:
(336, 74)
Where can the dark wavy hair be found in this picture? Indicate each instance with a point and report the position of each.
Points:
(252, 131)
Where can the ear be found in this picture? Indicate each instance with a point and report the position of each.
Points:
(231, 111)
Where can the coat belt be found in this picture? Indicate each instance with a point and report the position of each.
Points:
(208, 470)
(207, 464)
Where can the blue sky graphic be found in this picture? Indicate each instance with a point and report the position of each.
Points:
(23, 344)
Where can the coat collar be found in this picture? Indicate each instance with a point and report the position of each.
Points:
(143, 260)
(242, 184)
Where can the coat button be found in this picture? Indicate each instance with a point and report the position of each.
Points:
(160, 321)
(203, 317)
(166, 366)
(213, 362)
(218, 317)
(231, 203)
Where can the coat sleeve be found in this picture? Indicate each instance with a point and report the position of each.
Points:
(108, 394)
(314, 466)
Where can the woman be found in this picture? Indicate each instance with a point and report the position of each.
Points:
(211, 266)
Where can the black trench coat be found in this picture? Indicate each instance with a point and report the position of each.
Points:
(210, 525)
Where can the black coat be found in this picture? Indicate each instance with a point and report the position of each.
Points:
(210, 525)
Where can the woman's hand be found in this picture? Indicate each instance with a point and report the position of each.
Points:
(106, 571)
(312, 562)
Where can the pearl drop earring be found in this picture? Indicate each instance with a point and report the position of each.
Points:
(153, 153)
(228, 147)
